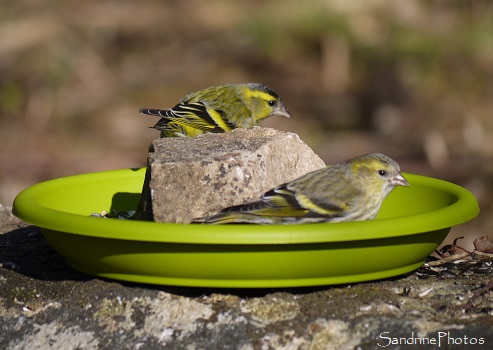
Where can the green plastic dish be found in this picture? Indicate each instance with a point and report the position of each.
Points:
(412, 222)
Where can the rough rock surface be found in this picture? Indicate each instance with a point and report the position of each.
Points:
(46, 305)
(189, 178)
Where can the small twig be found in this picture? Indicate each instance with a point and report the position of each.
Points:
(450, 248)
(457, 239)
(475, 254)
(448, 259)
(482, 256)
(463, 249)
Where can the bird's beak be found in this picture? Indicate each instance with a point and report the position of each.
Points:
(399, 180)
(281, 111)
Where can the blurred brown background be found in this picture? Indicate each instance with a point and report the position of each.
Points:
(412, 79)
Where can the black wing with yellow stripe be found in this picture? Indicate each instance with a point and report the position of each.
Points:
(191, 115)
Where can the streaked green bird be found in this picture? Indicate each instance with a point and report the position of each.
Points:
(349, 191)
(218, 109)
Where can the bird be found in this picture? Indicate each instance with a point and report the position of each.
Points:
(350, 191)
(218, 109)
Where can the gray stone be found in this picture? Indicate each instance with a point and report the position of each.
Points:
(189, 178)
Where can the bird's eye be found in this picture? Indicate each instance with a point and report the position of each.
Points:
(271, 102)
(382, 172)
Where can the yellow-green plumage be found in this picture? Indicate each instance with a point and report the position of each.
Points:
(218, 109)
(350, 191)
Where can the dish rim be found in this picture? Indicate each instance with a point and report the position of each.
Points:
(27, 207)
